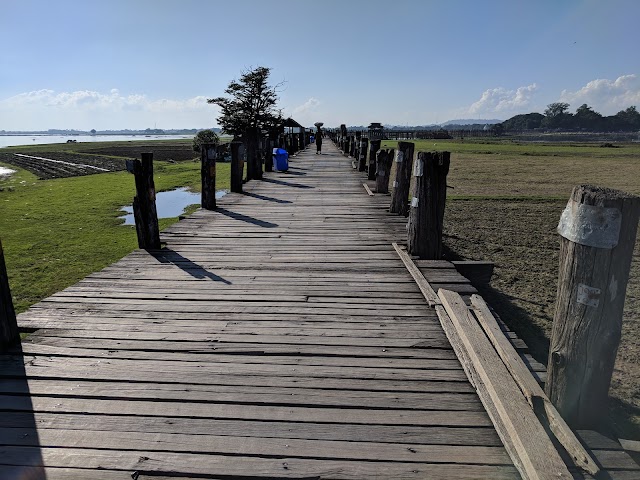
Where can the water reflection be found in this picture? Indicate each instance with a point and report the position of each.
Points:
(170, 204)
(6, 171)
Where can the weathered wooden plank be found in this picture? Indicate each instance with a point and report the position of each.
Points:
(400, 363)
(254, 446)
(241, 348)
(201, 369)
(537, 457)
(530, 387)
(243, 394)
(287, 467)
(423, 284)
(433, 341)
(400, 434)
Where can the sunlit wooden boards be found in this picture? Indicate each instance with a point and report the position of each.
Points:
(277, 337)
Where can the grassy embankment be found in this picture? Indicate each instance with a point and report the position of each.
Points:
(55, 232)
(505, 206)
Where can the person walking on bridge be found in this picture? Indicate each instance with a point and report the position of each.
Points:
(319, 142)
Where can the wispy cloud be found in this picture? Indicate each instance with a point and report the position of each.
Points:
(503, 102)
(42, 109)
(306, 112)
(606, 96)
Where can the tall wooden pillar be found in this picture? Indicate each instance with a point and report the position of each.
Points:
(426, 214)
(144, 203)
(597, 234)
(384, 161)
(208, 157)
(374, 146)
(362, 152)
(400, 195)
(237, 165)
(8, 323)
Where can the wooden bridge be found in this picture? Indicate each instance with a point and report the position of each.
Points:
(279, 336)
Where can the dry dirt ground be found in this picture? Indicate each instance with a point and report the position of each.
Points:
(70, 159)
(505, 208)
(520, 237)
(63, 165)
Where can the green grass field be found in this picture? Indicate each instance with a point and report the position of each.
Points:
(55, 232)
(508, 170)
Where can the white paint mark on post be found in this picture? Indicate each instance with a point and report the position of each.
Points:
(589, 296)
(414, 202)
(590, 225)
(613, 288)
(399, 157)
(395, 183)
(418, 168)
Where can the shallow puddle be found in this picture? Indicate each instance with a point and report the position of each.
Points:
(170, 204)
(6, 172)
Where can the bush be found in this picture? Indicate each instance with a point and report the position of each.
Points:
(204, 136)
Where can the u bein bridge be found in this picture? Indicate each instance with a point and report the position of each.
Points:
(305, 326)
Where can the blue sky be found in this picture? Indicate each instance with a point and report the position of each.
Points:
(139, 63)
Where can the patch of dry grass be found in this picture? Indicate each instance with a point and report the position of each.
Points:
(505, 206)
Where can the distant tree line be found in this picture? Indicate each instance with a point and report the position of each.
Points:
(585, 118)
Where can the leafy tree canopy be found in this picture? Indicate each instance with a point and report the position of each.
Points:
(555, 109)
(202, 137)
(527, 121)
(251, 103)
(557, 116)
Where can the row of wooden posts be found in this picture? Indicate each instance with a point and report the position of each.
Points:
(428, 197)
(257, 155)
(597, 235)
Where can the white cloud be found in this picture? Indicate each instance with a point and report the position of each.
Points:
(606, 96)
(85, 109)
(503, 102)
(305, 114)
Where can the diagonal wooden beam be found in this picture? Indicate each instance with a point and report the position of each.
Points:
(530, 387)
(526, 441)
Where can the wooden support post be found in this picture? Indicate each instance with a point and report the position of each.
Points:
(268, 155)
(426, 214)
(254, 161)
(384, 161)
(302, 141)
(400, 195)
(374, 146)
(362, 159)
(352, 145)
(8, 324)
(598, 232)
(144, 203)
(208, 157)
(237, 165)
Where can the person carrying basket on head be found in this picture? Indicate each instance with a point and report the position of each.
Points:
(319, 138)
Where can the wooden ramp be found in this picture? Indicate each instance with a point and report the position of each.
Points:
(277, 337)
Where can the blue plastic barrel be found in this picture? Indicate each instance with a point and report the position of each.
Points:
(280, 159)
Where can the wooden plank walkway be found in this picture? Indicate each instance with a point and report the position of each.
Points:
(277, 337)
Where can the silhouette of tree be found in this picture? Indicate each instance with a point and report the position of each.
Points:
(250, 108)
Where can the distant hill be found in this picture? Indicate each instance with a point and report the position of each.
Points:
(471, 121)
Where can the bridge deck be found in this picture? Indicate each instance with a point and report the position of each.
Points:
(279, 336)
